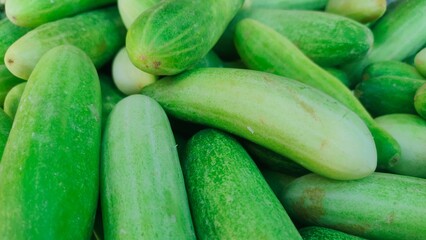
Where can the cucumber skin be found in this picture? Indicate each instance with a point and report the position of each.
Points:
(420, 101)
(142, 186)
(12, 99)
(49, 182)
(100, 33)
(321, 233)
(391, 68)
(216, 97)
(228, 196)
(162, 41)
(380, 206)
(288, 4)
(420, 62)
(9, 33)
(131, 9)
(5, 126)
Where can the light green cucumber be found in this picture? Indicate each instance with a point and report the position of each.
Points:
(131, 9)
(30, 13)
(5, 126)
(49, 170)
(322, 233)
(381, 206)
(420, 62)
(392, 69)
(99, 33)
(13, 97)
(285, 116)
(420, 101)
(364, 11)
(9, 33)
(262, 48)
(228, 196)
(110, 96)
(7, 82)
(174, 35)
(142, 186)
(276, 180)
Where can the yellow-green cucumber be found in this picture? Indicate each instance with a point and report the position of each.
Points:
(420, 101)
(49, 172)
(264, 49)
(131, 9)
(322, 233)
(285, 116)
(174, 35)
(228, 195)
(13, 97)
(391, 68)
(363, 11)
(420, 62)
(142, 187)
(381, 206)
(100, 33)
(30, 13)
(7, 82)
(5, 126)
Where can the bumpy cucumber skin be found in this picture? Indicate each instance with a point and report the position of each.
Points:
(174, 35)
(49, 182)
(7, 82)
(9, 33)
(142, 186)
(420, 62)
(391, 68)
(285, 116)
(30, 13)
(420, 101)
(380, 206)
(131, 9)
(228, 196)
(99, 33)
(322, 233)
(13, 97)
(262, 48)
(5, 126)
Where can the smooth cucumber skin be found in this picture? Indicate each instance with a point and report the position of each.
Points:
(7, 82)
(174, 35)
(391, 68)
(99, 33)
(131, 9)
(322, 233)
(9, 33)
(420, 101)
(49, 170)
(5, 126)
(285, 116)
(380, 206)
(12, 99)
(142, 186)
(30, 13)
(228, 196)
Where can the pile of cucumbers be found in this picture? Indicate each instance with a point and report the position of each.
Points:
(212, 119)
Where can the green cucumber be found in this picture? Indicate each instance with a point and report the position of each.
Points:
(322, 233)
(420, 62)
(381, 206)
(276, 180)
(13, 97)
(285, 116)
(142, 186)
(30, 13)
(7, 82)
(9, 33)
(110, 96)
(228, 196)
(387, 95)
(339, 74)
(131, 9)
(363, 11)
(100, 33)
(49, 170)
(262, 48)
(174, 35)
(392, 69)
(287, 4)
(420, 101)
(5, 126)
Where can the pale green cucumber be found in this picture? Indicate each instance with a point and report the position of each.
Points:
(285, 116)
(228, 196)
(420, 101)
(7, 82)
(9, 33)
(110, 96)
(420, 62)
(381, 206)
(174, 35)
(391, 69)
(364, 11)
(49, 170)
(30, 13)
(5, 126)
(262, 48)
(322, 233)
(13, 97)
(142, 186)
(131, 9)
(99, 33)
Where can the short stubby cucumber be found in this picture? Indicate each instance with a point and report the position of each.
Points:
(142, 186)
(420, 101)
(131, 9)
(420, 62)
(30, 13)
(381, 206)
(174, 35)
(363, 11)
(13, 97)
(49, 172)
(288, 117)
(322, 233)
(228, 195)
(392, 69)
(5, 126)
(99, 33)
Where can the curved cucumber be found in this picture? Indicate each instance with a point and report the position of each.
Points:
(391, 69)
(49, 171)
(380, 206)
(99, 33)
(174, 35)
(420, 101)
(420, 62)
(285, 116)
(322, 233)
(131, 9)
(363, 11)
(228, 196)
(142, 186)
(5, 126)
(13, 97)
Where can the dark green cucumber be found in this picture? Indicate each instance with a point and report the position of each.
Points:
(420, 101)
(364, 11)
(420, 62)
(285, 116)
(31, 13)
(131, 9)
(7, 82)
(142, 186)
(264, 49)
(13, 97)
(387, 95)
(110, 96)
(100, 33)
(9, 33)
(276, 180)
(381, 206)
(228, 196)
(174, 35)
(322, 233)
(392, 69)
(5, 126)
(49, 170)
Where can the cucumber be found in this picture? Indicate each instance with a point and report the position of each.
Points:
(276, 180)
(12, 99)
(142, 186)
(100, 33)
(420, 62)
(49, 171)
(174, 35)
(392, 69)
(339, 74)
(420, 101)
(131, 9)
(210, 60)
(363, 11)
(285, 116)
(381, 206)
(7, 82)
(287, 4)
(110, 96)
(9, 33)
(387, 95)
(228, 196)
(31, 13)
(322, 233)
(262, 48)
(5, 126)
